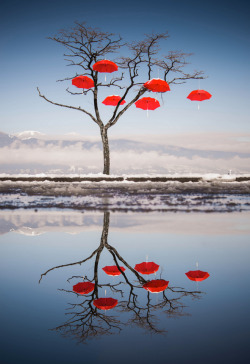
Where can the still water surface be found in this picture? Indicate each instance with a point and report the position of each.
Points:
(189, 322)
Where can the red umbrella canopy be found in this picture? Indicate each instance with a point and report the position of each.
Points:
(147, 267)
(156, 286)
(157, 85)
(83, 287)
(83, 82)
(199, 95)
(105, 303)
(112, 270)
(113, 100)
(147, 103)
(105, 66)
(197, 275)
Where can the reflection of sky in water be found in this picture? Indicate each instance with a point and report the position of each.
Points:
(215, 329)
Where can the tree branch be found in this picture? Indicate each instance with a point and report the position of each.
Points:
(70, 107)
(69, 264)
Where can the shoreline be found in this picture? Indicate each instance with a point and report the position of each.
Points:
(127, 178)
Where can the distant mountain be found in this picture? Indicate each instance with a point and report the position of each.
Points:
(6, 139)
(36, 139)
(33, 152)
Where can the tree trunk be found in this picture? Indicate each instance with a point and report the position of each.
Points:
(105, 147)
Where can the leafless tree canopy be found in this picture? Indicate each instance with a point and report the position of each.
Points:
(137, 61)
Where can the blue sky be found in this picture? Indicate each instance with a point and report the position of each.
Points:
(216, 32)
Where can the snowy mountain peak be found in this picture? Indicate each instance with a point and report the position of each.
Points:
(29, 135)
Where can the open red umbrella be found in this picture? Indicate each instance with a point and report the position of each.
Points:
(157, 85)
(156, 286)
(112, 270)
(197, 275)
(83, 82)
(199, 95)
(83, 287)
(147, 103)
(113, 100)
(105, 66)
(105, 303)
(147, 267)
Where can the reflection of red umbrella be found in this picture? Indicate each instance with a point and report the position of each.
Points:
(113, 100)
(83, 82)
(147, 103)
(105, 66)
(199, 95)
(112, 270)
(147, 267)
(155, 286)
(83, 287)
(105, 303)
(157, 85)
(197, 275)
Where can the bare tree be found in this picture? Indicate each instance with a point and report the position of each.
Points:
(85, 46)
(85, 320)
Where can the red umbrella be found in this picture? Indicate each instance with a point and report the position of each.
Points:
(105, 303)
(112, 270)
(105, 66)
(83, 82)
(156, 286)
(147, 103)
(197, 275)
(157, 85)
(199, 95)
(83, 287)
(147, 267)
(113, 100)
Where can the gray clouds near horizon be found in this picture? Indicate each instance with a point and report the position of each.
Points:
(200, 153)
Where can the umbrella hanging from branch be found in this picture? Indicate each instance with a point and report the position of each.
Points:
(105, 303)
(197, 275)
(105, 66)
(199, 95)
(83, 82)
(112, 270)
(156, 286)
(147, 103)
(113, 100)
(83, 287)
(147, 267)
(157, 85)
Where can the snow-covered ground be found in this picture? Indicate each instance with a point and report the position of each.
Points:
(206, 193)
(229, 177)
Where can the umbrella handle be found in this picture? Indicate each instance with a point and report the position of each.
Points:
(162, 99)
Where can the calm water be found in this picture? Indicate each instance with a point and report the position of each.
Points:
(189, 322)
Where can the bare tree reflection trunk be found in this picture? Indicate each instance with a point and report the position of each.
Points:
(104, 237)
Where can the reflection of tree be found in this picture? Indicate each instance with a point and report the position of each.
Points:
(85, 320)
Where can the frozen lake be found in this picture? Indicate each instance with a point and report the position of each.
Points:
(189, 322)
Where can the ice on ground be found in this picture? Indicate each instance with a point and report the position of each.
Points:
(212, 193)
